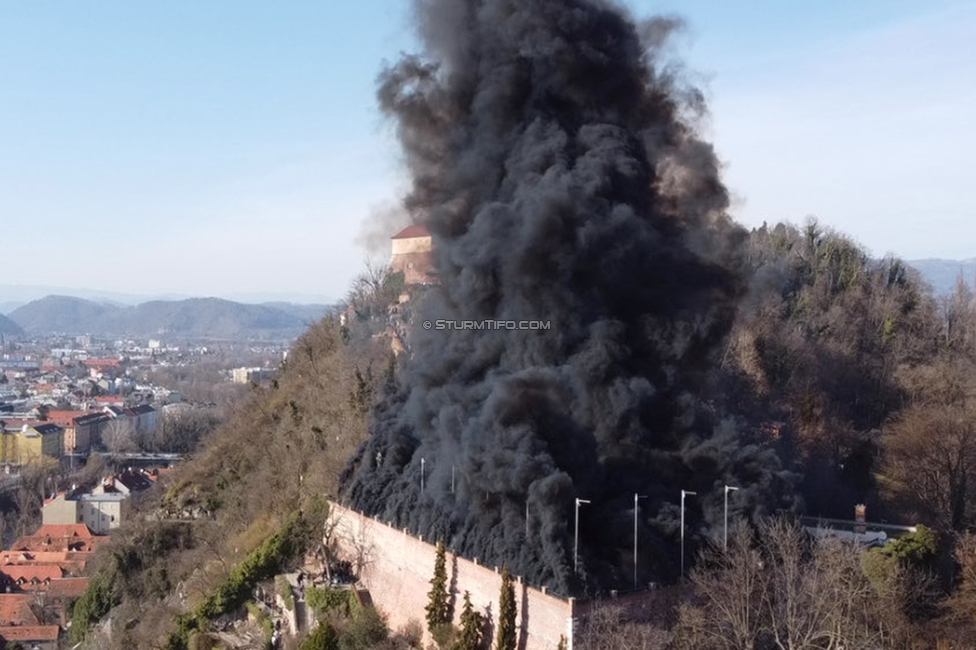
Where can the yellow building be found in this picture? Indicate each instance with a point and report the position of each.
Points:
(33, 443)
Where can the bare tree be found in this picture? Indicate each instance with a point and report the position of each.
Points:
(607, 627)
(787, 592)
(733, 584)
(119, 437)
(930, 463)
(36, 483)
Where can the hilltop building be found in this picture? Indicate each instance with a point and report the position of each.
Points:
(412, 250)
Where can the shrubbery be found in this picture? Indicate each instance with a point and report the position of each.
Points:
(289, 542)
(324, 600)
(284, 589)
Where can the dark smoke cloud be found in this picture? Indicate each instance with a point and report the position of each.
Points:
(553, 159)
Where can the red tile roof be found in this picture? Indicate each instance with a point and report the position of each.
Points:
(16, 424)
(102, 363)
(32, 557)
(59, 538)
(64, 530)
(28, 572)
(63, 588)
(64, 418)
(15, 610)
(30, 633)
(411, 232)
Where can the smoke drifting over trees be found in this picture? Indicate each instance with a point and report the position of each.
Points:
(554, 160)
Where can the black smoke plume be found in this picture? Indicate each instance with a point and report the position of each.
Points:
(554, 160)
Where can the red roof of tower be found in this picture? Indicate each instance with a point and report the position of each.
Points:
(411, 232)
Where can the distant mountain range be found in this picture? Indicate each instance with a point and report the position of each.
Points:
(7, 326)
(13, 296)
(217, 318)
(942, 275)
(193, 318)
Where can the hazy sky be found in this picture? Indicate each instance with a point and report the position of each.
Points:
(227, 148)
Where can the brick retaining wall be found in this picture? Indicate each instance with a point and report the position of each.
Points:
(396, 568)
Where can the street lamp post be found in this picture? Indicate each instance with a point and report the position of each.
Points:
(636, 497)
(576, 538)
(423, 462)
(725, 534)
(684, 493)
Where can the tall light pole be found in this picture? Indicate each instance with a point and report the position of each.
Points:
(636, 497)
(453, 468)
(725, 534)
(423, 462)
(576, 538)
(684, 493)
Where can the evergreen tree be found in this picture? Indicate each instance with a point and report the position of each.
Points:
(438, 605)
(324, 637)
(472, 627)
(506, 613)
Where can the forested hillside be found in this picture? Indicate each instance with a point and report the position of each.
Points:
(846, 367)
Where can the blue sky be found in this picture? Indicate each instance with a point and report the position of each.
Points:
(234, 148)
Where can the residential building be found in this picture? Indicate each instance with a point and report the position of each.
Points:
(102, 513)
(143, 418)
(67, 421)
(43, 569)
(103, 509)
(32, 443)
(247, 375)
(87, 432)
